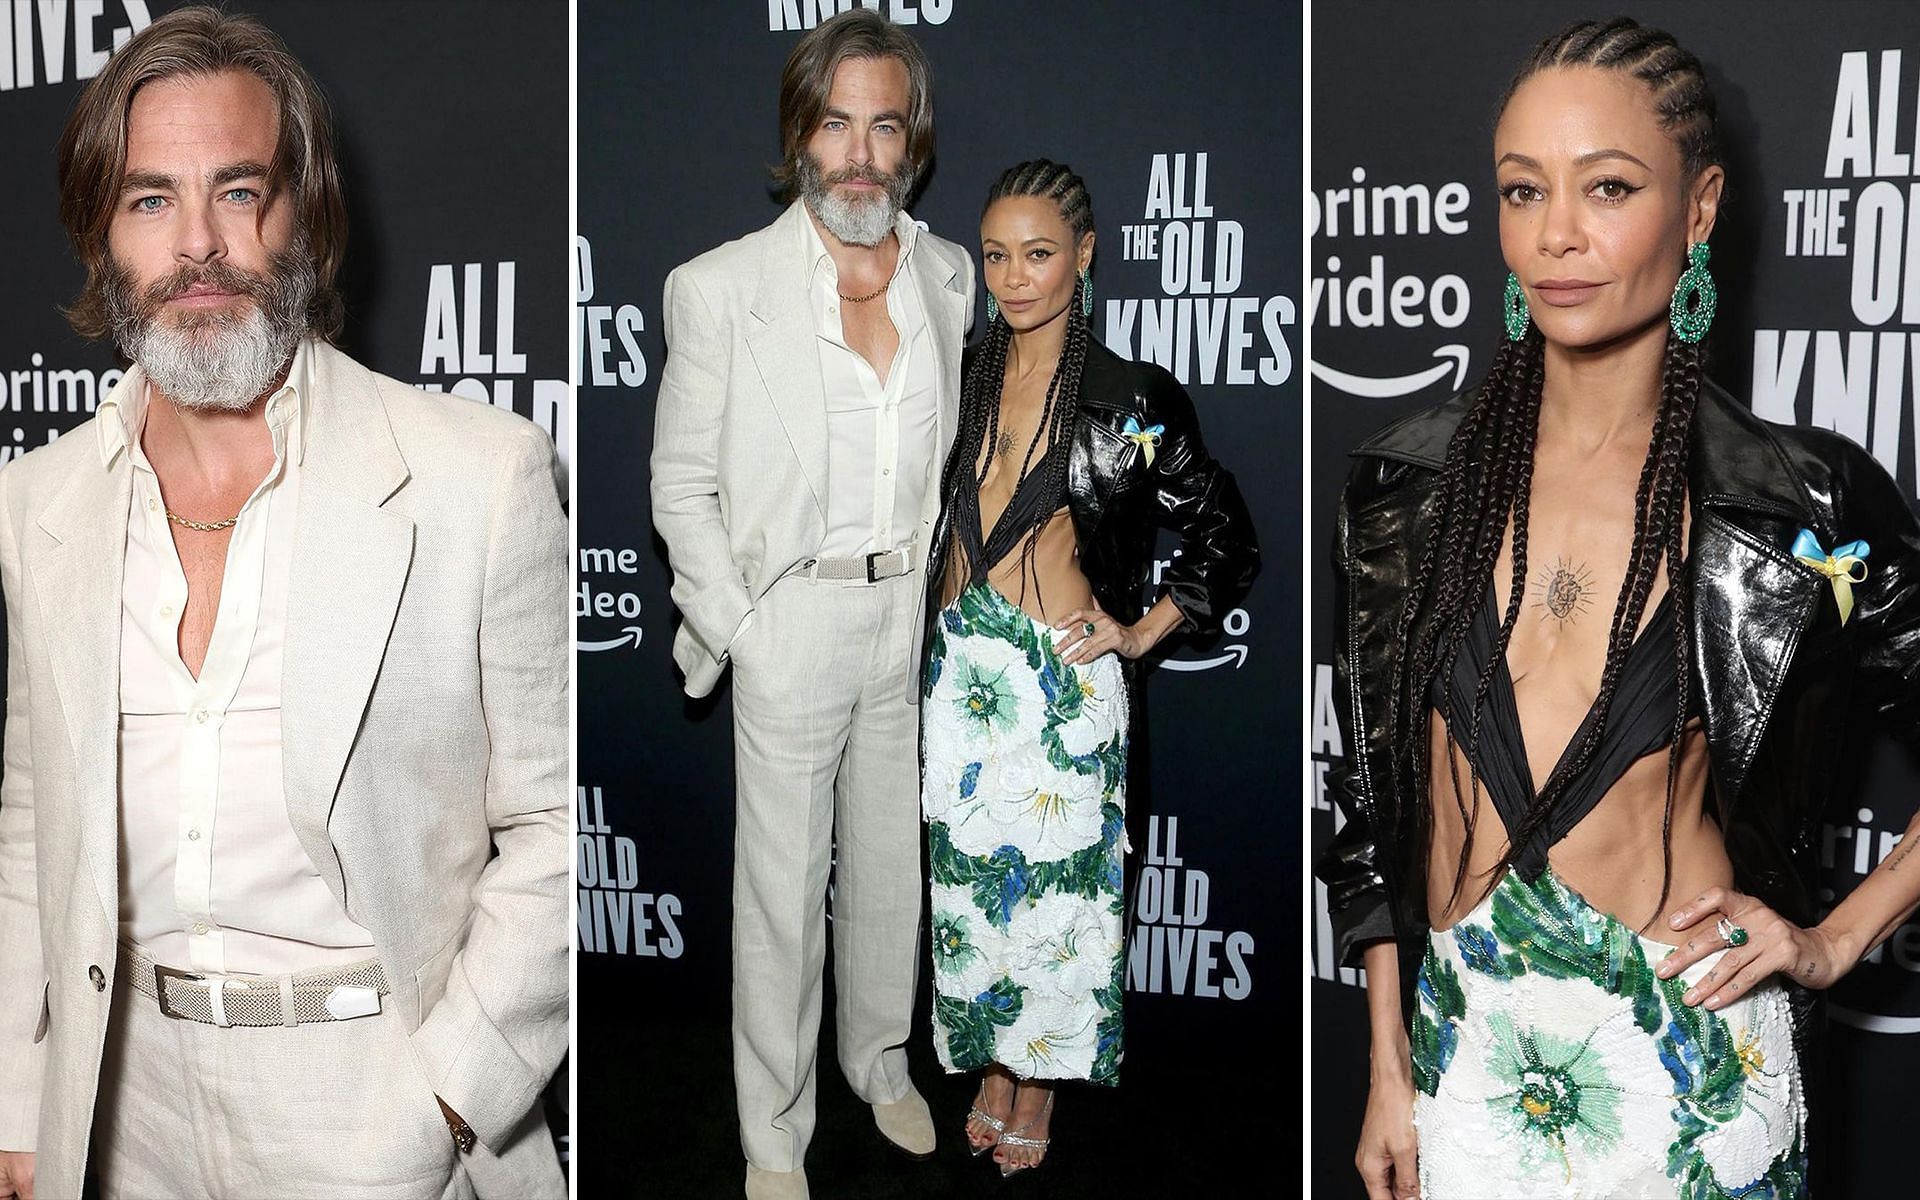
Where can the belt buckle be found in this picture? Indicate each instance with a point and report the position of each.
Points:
(160, 976)
(880, 554)
(871, 558)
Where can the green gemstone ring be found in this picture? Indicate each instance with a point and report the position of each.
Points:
(1734, 935)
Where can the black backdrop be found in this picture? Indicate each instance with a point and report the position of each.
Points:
(1817, 102)
(452, 116)
(677, 124)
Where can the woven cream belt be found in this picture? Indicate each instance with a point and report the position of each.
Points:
(332, 994)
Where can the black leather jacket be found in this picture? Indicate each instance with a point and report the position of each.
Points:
(1117, 500)
(1780, 678)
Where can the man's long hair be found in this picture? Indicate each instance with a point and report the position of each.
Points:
(189, 43)
(807, 80)
(1488, 475)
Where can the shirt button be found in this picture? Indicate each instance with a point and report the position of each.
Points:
(153, 505)
(886, 470)
(166, 610)
(193, 835)
(99, 978)
(199, 926)
(200, 715)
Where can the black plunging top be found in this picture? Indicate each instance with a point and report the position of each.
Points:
(1639, 722)
(985, 550)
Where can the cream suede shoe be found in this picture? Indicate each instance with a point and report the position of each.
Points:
(907, 1124)
(776, 1185)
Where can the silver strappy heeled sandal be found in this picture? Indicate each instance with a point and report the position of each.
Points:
(976, 1113)
(1016, 1139)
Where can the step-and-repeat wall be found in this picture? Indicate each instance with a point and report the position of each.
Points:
(1817, 255)
(452, 122)
(1193, 170)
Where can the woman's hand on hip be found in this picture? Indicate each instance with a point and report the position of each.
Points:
(1773, 945)
(1091, 633)
(1389, 1154)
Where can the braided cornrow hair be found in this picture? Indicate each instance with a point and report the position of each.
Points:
(1488, 474)
(981, 388)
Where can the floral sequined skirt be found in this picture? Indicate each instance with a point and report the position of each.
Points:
(1024, 794)
(1550, 1061)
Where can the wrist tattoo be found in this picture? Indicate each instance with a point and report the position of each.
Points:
(1564, 592)
(1906, 847)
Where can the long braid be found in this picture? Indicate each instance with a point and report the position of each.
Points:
(1059, 418)
(979, 410)
(1427, 619)
(1517, 462)
(985, 381)
(1683, 369)
(1486, 480)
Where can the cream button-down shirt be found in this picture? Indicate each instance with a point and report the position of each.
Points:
(213, 877)
(882, 438)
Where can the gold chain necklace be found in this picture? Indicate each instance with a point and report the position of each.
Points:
(202, 526)
(875, 294)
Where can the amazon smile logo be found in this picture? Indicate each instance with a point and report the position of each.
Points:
(1453, 361)
(604, 597)
(1233, 654)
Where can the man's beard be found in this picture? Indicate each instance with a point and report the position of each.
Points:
(854, 220)
(221, 359)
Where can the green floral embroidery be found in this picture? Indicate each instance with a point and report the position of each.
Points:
(970, 1023)
(987, 698)
(1436, 1016)
(952, 950)
(1002, 879)
(1570, 1087)
(1106, 1061)
(994, 735)
(1557, 1087)
(1562, 937)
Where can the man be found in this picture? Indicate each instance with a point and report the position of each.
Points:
(807, 403)
(283, 823)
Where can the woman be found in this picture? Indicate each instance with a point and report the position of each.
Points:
(1590, 968)
(1066, 459)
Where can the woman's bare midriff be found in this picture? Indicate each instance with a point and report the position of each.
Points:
(1613, 857)
(1054, 577)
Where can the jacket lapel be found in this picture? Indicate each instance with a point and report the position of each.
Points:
(780, 338)
(77, 572)
(1746, 509)
(350, 562)
(944, 301)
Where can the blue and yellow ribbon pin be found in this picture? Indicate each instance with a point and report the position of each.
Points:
(1838, 567)
(1147, 439)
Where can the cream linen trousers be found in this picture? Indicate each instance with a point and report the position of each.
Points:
(334, 1109)
(826, 759)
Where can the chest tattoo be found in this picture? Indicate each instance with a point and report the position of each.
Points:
(1004, 446)
(1563, 591)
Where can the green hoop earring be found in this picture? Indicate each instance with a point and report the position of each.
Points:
(993, 309)
(1517, 314)
(1086, 294)
(1694, 297)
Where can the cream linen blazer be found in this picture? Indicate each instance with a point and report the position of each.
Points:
(739, 461)
(424, 703)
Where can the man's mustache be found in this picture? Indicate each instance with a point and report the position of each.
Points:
(218, 275)
(859, 174)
